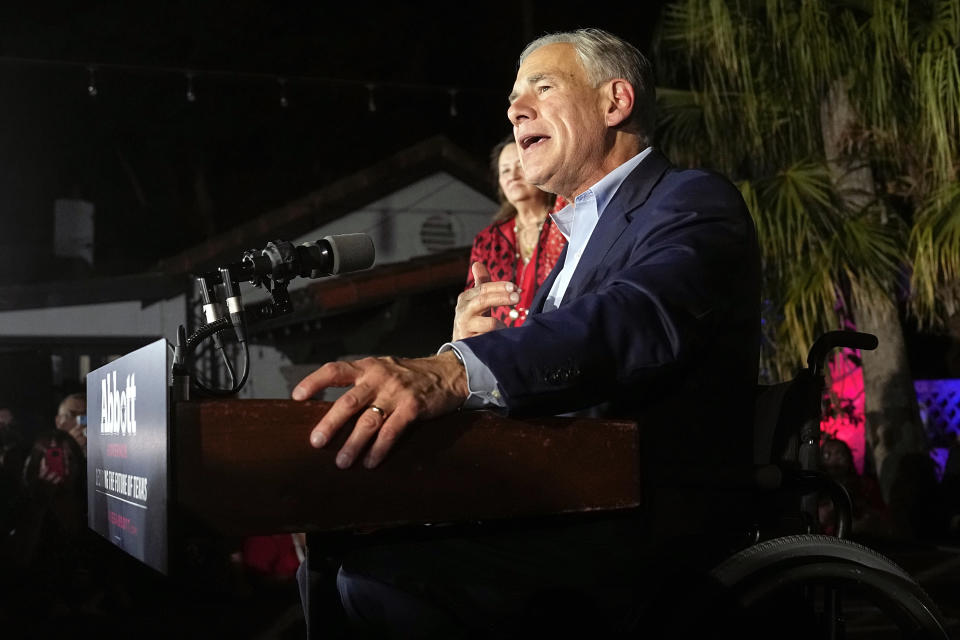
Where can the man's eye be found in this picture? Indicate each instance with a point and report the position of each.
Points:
(543, 88)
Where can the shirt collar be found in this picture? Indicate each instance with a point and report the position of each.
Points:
(603, 192)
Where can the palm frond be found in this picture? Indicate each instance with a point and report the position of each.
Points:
(681, 131)
(934, 247)
(796, 210)
(868, 254)
(810, 307)
(756, 103)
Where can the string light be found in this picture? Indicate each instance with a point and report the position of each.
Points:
(283, 92)
(95, 68)
(92, 84)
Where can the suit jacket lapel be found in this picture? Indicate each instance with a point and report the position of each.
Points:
(631, 195)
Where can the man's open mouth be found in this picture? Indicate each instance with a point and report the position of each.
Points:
(528, 141)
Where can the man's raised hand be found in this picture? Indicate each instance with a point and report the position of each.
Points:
(472, 315)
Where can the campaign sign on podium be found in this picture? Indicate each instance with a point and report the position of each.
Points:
(127, 444)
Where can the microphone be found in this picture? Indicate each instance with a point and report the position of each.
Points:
(329, 256)
(347, 252)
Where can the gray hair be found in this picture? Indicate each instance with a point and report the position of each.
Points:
(604, 56)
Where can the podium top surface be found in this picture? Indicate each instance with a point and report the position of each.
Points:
(246, 467)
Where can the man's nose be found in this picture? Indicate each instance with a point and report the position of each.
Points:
(518, 111)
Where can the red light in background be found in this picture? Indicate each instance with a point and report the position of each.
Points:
(846, 393)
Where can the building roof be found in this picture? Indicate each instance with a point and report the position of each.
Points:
(172, 276)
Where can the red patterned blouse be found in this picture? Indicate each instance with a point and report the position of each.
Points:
(496, 247)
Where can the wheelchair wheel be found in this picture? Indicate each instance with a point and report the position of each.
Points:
(815, 586)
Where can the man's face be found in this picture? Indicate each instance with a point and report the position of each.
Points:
(558, 121)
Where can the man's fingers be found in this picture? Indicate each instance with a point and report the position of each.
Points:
(388, 434)
(342, 410)
(477, 302)
(487, 296)
(368, 423)
(480, 273)
(420, 387)
(332, 374)
(492, 298)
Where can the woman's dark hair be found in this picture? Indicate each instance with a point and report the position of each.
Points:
(507, 210)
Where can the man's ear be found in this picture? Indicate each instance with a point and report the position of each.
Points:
(619, 95)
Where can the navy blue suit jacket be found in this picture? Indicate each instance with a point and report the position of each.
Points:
(660, 323)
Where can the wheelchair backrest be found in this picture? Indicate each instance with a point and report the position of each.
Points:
(780, 413)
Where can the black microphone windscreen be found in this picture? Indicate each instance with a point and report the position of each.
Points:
(351, 252)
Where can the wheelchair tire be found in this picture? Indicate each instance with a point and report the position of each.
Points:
(802, 548)
(824, 577)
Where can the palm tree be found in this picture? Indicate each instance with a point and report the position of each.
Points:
(840, 121)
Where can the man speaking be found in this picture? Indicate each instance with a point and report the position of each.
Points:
(652, 314)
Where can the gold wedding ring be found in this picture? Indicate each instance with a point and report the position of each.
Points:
(377, 409)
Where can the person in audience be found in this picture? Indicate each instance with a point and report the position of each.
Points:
(916, 502)
(12, 444)
(950, 487)
(12, 454)
(72, 418)
(870, 515)
(47, 550)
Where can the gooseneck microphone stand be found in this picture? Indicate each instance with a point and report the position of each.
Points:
(229, 315)
(271, 269)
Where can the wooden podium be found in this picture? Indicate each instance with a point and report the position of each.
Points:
(245, 467)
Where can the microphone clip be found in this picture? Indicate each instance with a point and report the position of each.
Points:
(274, 283)
(281, 259)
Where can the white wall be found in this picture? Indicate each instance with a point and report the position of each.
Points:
(394, 222)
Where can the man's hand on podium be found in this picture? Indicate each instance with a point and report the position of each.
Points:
(387, 395)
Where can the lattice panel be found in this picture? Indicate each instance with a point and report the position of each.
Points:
(939, 402)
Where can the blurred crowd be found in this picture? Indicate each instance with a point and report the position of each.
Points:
(50, 569)
(922, 506)
(57, 575)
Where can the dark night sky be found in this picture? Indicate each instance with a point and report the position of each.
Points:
(165, 173)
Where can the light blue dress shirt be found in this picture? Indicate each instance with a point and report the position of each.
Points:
(576, 222)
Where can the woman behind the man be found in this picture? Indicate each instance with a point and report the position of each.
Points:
(522, 244)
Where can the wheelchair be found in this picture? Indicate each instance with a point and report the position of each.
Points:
(793, 581)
